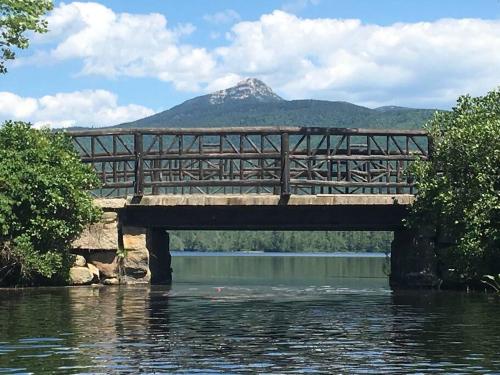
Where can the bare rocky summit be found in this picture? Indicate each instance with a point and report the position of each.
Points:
(250, 88)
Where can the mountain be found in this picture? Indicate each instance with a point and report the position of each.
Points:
(252, 102)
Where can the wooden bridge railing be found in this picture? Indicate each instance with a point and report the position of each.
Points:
(262, 160)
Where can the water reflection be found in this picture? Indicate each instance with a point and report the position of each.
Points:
(460, 330)
(275, 267)
(247, 328)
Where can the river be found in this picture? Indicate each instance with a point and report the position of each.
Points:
(251, 313)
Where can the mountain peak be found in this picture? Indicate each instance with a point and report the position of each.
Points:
(248, 89)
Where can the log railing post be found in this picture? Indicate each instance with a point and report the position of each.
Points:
(139, 165)
(156, 175)
(285, 165)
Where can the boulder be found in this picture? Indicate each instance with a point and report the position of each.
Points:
(80, 276)
(136, 263)
(110, 203)
(109, 217)
(79, 261)
(130, 280)
(95, 272)
(100, 236)
(111, 281)
(106, 262)
(134, 239)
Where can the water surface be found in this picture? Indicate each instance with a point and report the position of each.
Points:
(325, 324)
(272, 268)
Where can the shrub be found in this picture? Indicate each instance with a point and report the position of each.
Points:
(459, 188)
(44, 203)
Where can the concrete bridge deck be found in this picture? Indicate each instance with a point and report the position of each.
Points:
(273, 200)
(264, 212)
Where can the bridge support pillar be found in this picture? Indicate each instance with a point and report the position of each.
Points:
(160, 260)
(413, 261)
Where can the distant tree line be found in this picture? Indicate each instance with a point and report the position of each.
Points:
(280, 241)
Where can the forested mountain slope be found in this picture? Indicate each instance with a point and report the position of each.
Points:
(251, 102)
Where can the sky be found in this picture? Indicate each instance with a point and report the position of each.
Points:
(111, 61)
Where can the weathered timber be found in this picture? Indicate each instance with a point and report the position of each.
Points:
(214, 183)
(247, 160)
(285, 165)
(139, 164)
(248, 130)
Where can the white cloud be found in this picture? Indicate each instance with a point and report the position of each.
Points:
(222, 17)
(79, 108)
(121, 44)
(418, 64)
(426, 63)
(16, 106)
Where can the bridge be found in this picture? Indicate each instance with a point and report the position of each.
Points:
(256, 178)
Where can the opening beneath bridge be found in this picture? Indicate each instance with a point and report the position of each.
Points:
(279, 257)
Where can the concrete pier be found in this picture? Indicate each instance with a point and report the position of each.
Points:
(413, 261)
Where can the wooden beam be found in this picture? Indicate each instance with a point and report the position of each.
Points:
(247, 130)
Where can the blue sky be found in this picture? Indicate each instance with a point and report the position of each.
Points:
(105, 62)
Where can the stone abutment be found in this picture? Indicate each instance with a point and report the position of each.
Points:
(112, 253)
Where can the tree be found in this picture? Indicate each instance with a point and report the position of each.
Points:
(459, 187)
(44, 203)
(16, 18)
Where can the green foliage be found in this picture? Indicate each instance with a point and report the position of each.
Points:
(459, 188)
(280, 241)
(44, 204)
(16, 18)
(121, 253)
(198, 112)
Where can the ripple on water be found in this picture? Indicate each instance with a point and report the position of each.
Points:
(196, 328)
